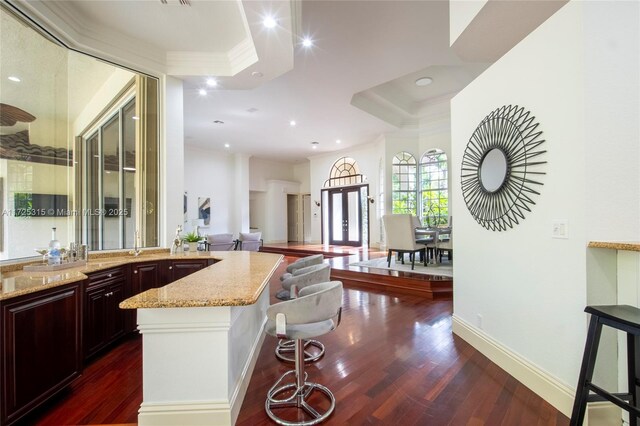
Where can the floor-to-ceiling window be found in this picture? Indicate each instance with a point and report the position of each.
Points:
(403, 189)
(434, 188)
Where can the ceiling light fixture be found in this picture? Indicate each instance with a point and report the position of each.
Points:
(338, 141)
(211, 82)
(269, 22)
(14, 78)
(226, 145)
(256, 74)
(292, 123)
(424, 81)
(218, 122)
(202, 92)
(315, 144)
(307, 42)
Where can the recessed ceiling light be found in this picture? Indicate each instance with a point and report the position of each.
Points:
(315, 144)
(424, 81)
(14, 78)
(338, 141)
(226, 145)
(202, 92)
(256, 74)
(269, 22)
(211, 82)
(292, 123)
(252, 110)
(218, 122)
(307, 42)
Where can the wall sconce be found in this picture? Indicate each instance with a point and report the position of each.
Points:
(370, 199)
(317, 203)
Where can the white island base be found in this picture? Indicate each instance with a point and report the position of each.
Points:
(198, 361)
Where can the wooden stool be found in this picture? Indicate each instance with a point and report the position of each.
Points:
(627, 319)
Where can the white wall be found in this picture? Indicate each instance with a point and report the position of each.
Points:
(207, 174)
(301, 174)
(275, 226)
(530, 289)
(368, 159)
(171, 159)
(261, 170)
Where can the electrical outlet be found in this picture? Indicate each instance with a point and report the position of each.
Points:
(479, 317)
(560, 229)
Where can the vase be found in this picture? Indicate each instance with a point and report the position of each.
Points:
(193, 246)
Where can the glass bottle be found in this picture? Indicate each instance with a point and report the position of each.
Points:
(54, 248)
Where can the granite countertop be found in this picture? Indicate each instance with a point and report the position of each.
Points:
(616, 245)
(238, 278)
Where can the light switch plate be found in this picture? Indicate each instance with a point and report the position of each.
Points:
(560, 229)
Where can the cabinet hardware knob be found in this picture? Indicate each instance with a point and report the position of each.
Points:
(109, 275)
(170, 267)
(135, 272)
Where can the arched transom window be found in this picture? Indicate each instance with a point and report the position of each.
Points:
(434, 188)
(344, 172)
(404, 178)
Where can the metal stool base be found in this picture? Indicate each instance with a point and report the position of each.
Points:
(285, 351)
(297, 399)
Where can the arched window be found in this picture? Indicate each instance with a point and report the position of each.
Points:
(403, 188)
(434, 188)
(344, 172)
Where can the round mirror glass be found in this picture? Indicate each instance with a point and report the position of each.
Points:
(493, 170)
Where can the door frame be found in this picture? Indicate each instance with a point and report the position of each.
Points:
(361, 218)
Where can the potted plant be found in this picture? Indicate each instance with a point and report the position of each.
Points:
(192, 239)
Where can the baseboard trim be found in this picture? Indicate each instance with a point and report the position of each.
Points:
(180, 413)
(241, 388)
(539, 381)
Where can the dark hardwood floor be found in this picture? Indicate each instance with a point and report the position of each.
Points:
(393, 360)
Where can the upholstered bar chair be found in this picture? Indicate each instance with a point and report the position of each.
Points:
(315, 312)
(221, 242)
(401, 238)
(300, 279)
(303, 262)
(250, 241)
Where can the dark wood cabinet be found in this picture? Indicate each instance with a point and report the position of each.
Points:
(145, 276)
(41, 348)
(177, 269)
(104, 321)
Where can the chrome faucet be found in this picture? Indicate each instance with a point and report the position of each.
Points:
(177, 240)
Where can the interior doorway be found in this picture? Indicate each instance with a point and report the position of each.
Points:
(292, 217)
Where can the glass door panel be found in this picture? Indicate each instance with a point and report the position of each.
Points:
(129, 173)
(92, 213)
(111, 184)
(353, 210)
(336, 218)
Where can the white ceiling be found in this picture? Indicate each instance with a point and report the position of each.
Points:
(365, 57)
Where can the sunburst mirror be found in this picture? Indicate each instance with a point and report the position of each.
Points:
(500, 168)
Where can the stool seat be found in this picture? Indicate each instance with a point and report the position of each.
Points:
(626, 315)
(621, 317)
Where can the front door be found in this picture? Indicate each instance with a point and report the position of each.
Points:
(345, 217)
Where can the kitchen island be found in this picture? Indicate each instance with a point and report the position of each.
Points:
(201, 338)
(212, 303)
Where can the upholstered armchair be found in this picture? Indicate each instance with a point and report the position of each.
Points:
(250, 241)
(221, 242)
(401, 237)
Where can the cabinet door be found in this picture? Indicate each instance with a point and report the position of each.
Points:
(146, 276)
(41, 348)
(95, 319)
(116, 318)
(182, 268)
